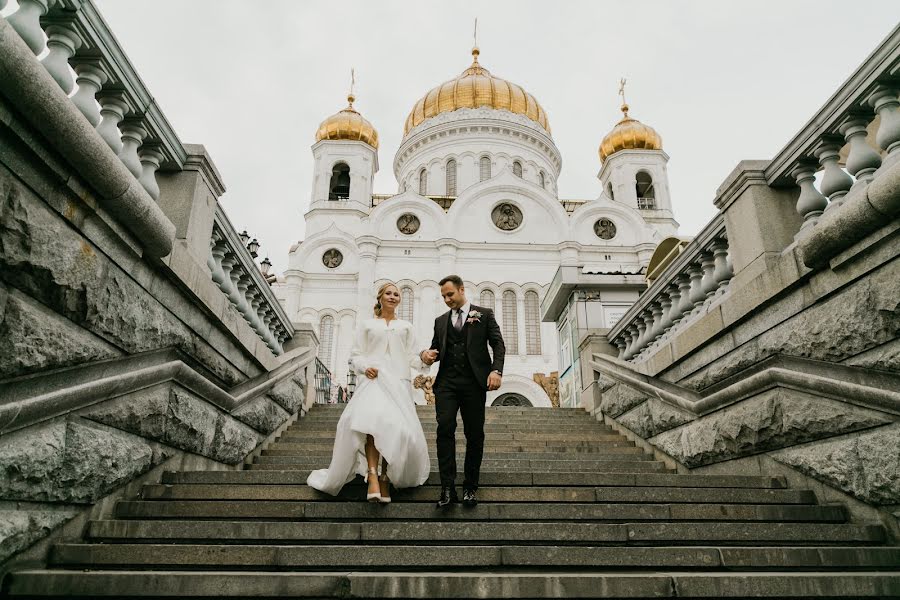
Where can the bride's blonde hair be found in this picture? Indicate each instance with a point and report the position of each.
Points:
(381, 291)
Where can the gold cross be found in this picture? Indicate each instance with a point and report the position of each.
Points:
(622, 82)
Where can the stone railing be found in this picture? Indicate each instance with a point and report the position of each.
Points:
(848, 141)
(239, 278)
(693, 282)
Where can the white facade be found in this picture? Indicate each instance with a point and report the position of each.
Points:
(515, 265)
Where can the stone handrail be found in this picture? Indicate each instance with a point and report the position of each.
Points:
(29, 402)
(699, 276)
(863, 109)
(237, 275)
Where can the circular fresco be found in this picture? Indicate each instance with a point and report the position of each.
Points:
(605, 229)
(408, 223)
(506, 216)
(332, 258)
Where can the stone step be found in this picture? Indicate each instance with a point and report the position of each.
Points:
(530, 425)
(356, 492)
(608, 466)
(442, 557)
(294, 510)
(454, 533)
(289, 456)
(556, 438)
(285, 447)
(501, 478)
(548, 583)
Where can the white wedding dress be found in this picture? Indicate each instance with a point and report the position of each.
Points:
(382, 407)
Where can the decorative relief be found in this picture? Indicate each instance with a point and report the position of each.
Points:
(506, 216)
(605, 229)
(550, 383)
(332, 258)
(408, 223)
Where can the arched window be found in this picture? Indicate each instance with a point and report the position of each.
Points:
(484, 168)
(517, 168)
(451, 177)
(326, 339)
(609, 191)
(532, 323)
(542, 179)
(487, 299)
(423, 182)
(339, 187)
(407, 300)
(510, 322)
(646, 197)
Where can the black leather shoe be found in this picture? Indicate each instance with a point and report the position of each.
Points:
(469, 498)
(448, 497)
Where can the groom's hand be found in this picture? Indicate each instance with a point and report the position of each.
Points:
(494, 381)
(429, 356)
(371, 373)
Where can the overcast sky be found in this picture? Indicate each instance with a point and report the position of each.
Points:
(720, 81)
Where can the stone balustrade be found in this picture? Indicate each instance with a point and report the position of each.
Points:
(695, 280)
(853, 138)
(85, 59)
(240, 279)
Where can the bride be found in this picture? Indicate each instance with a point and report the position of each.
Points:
(380, 421)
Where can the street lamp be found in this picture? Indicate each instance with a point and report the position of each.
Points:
(245, 237)
(253, 246)
(265, 265)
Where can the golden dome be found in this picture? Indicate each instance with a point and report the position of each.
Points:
(629, 134)
(476, 87)
(348, 125)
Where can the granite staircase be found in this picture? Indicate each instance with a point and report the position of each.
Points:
(568, 509)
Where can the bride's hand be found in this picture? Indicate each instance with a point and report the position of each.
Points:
(371, 373)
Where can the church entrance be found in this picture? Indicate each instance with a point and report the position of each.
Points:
(511, 400)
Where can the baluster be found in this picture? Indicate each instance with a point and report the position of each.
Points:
(150, 158)
(112, 111)
(631, 341)
(244, 292)
(670, 298)
(62, 42)
(132, 136)
(862, 161)
(659, 323)
(835, 182)
(620, 344)
(708, 283)
(685, 304)
(811, 203)
(642, 333)
(695, 272)
(229, 285)
(27, 23)
(722, 272)
(90, 79)
(885, 103)
(214, 261)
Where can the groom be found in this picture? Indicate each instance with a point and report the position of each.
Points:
(466, 373)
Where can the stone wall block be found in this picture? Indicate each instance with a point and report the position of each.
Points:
(775, 419)
(654, 417)
(190, 422)
(33, 338)
(288, 394)
(865, 465)
(19, 529)
(262, 414)
(70, 462)
(233, 440)
(619, 399)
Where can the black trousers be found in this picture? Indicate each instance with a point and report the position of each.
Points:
(468, 399)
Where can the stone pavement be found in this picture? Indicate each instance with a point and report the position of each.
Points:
(568, 508)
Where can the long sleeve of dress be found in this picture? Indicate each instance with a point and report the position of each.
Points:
(359, 352)
(415, 361)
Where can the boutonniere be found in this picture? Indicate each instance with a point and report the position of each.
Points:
(474, 317)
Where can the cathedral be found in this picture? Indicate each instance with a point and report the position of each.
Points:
(477, 196)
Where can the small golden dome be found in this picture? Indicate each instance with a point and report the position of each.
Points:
(348, 124)
(474, 88)
(629, 134)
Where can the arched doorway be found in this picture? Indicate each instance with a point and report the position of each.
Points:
(511, 400)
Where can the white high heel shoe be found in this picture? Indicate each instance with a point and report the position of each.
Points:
(384, 485)
(376, 497)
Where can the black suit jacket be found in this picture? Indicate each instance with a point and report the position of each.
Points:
(479, 335)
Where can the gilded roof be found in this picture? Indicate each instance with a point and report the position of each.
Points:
(629, 134)
(348, 124)
(475, 88)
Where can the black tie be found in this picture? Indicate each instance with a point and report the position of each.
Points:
(458, 323)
